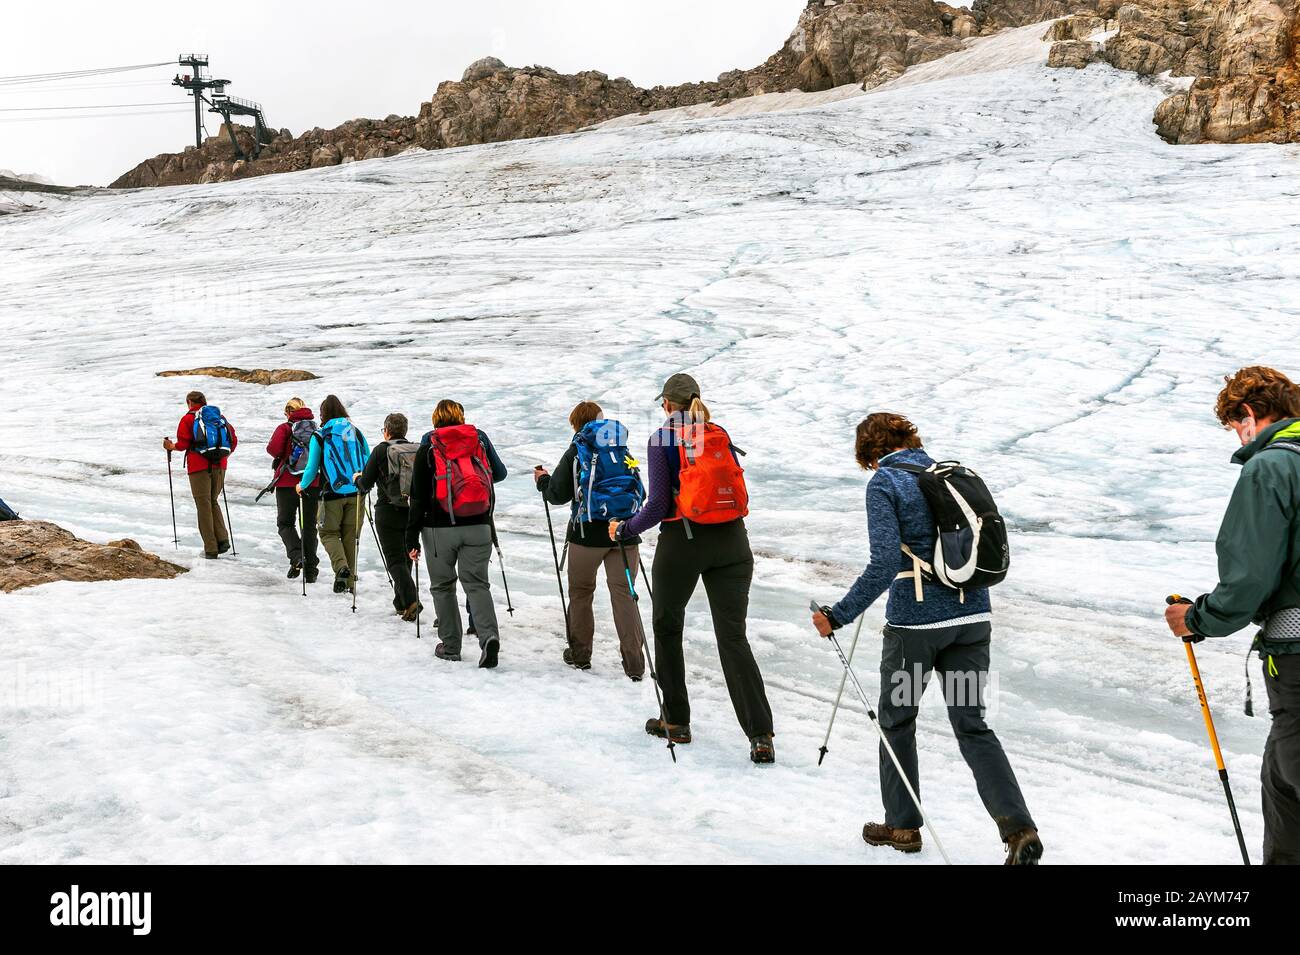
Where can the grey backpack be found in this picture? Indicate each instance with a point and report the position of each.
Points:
(401, 467)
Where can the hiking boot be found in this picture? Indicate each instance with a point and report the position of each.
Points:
(311, 574)
(568, 658)
(411, 612)
(223, 546)
(209, 556)
(471, 632)
(677, 733)
(295, 568)
(1023, 847)
(441, 652)
(904, 840)
(635, 679)
(488, 658)
(761, 749)
(341, 581)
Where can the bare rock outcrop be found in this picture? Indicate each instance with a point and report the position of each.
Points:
(217, 161)
(252, 376)
(37, 552)
(1241, 55)
(1075, 54)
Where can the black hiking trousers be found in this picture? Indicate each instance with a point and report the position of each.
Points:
(390, 525)
(299, 549)
(960, 656)
(1280, 772)
(719, 555)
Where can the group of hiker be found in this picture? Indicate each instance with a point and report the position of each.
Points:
(937, 544)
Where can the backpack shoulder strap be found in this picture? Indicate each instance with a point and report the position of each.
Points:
(909, 468)
(1293, 446)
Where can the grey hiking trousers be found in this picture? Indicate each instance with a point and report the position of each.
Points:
(960, 655)
(460, 553)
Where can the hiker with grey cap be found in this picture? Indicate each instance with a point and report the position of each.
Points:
(698, 499)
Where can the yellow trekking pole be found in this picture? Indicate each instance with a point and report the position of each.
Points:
(1209, 728)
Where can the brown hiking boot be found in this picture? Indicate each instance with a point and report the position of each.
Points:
(1023, 847)
(678, 734)
(904, 840)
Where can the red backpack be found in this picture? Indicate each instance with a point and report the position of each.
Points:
(711, 485)
(462, 476)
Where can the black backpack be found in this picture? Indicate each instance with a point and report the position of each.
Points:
(970, 538)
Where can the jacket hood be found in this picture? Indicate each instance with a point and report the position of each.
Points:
(302, 414)
(338, 425)
(1291, 427)
(907, 456)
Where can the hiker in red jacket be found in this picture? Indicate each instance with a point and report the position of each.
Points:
(288, 451)
(207, 477)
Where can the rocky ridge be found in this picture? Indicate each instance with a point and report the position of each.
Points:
(1241, 56)
(834, 42)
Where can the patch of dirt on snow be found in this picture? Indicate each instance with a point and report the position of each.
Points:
(37, 552)
(252, 376)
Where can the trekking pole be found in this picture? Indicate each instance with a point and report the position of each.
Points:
(501, 559)
(916, 800)
(230, 528)
(302, 536)
(836, 708)
(356, 553)
(564, 604)
(646, 577)
(371, 518)
(650, 661)
(171, 493)
(1214, 737)
(419, 604)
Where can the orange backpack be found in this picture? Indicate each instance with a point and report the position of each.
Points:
(711, 484)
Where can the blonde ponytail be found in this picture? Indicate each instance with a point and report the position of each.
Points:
(698, 412)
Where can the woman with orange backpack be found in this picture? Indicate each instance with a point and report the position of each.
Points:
(452, 497)
(698, 498)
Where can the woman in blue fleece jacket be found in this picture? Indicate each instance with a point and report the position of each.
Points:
(945, 631)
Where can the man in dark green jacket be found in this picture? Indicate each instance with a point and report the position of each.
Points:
(1258, 550)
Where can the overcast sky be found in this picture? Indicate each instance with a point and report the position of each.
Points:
(321, 63)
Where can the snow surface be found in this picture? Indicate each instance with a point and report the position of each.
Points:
(1009, 256)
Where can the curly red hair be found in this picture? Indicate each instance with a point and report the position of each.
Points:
(1268, 392)
(883, 432)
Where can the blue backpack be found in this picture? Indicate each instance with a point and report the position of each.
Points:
(343, 454)
(211, 436)
(606, 483)
(7, 513)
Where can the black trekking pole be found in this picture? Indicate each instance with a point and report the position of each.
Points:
(853, 678)
(836, 708)
(1214, 737)
(645, 646)
(171, 493)
(229, 527)
(646, 577)
(302, 538)
(564, 604)
(371, 518)
(510, 609)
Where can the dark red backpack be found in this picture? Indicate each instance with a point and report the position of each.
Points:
(462, 476)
